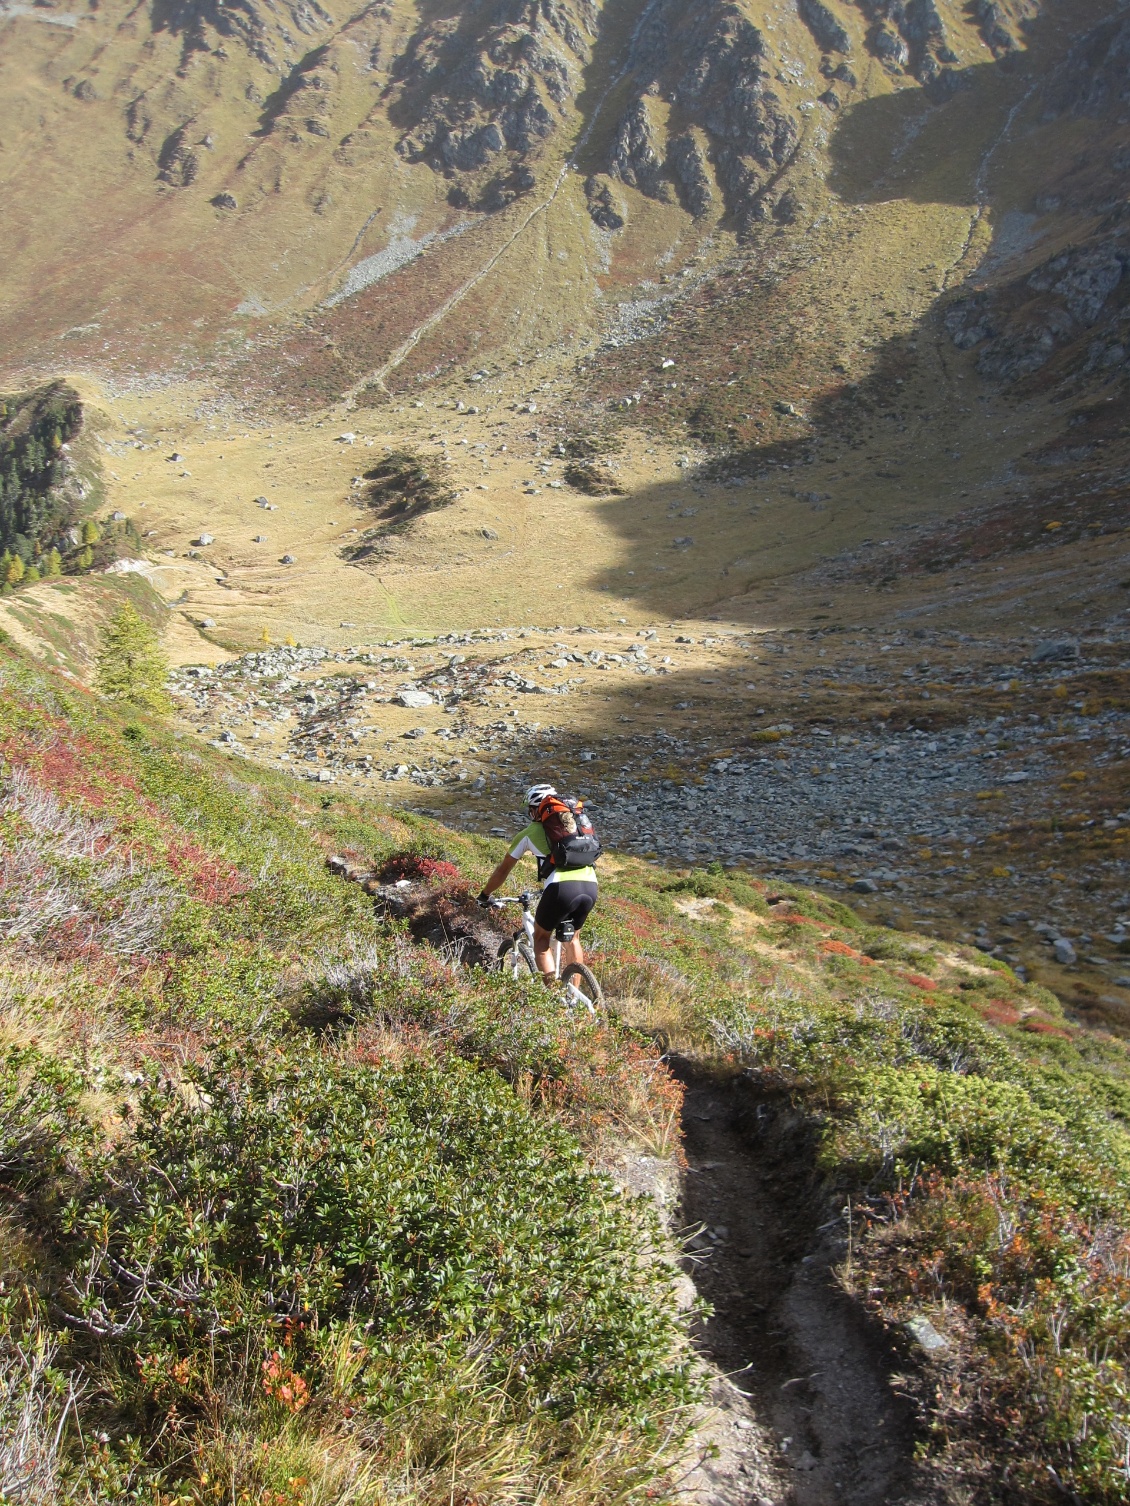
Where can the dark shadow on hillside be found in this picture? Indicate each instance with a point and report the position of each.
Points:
(663, 524)
(877, 149)
(880, 145)
(1031, 337)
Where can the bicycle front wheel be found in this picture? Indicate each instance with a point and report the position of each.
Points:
(581, 987)
(516, 960)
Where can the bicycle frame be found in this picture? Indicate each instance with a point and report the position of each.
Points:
(525, 899)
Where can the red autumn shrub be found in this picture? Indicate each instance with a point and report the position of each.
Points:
(418, 868)
(918, 980)
(841, 949)
(1035, 1025)
(999, 1012)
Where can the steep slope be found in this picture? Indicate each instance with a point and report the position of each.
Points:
(294, 1201)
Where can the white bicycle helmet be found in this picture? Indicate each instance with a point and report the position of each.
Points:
(537, 793)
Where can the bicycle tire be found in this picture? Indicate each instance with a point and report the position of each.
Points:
(584, 981)
(516, 960)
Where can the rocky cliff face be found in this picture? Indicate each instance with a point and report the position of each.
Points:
(487, 88)
(1002, 23)
(1071, 309)
(737, 85)
(714, 70)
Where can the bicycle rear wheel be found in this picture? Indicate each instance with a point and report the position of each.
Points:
(581, 987)
(516, 960)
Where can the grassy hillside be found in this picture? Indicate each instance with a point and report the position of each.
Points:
(299, 1212)
(323, 1264)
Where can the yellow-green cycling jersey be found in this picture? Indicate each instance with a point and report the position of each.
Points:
(533, 839)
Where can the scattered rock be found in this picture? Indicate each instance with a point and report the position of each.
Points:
(1064, 952)
(414, 700)
(1052, 652)
(925, 1334)
(865, 886)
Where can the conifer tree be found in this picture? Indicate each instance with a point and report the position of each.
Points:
(131, 665)
(15, 571)
(52, 565)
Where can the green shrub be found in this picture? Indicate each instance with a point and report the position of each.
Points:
(41, 1120)
(290, 1193)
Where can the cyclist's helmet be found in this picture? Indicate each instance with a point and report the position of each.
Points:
(537, 793)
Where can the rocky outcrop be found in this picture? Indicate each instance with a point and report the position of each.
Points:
(1001, 22)
(303, 102)
(713, 64)
(177, 163)
(1096, 83)
(265, 30)
(828, 32)
(498, 78)
(635, 158)
(606, 212)
(909, 36)
(1074, 304)
(688, 164)
(725, 87)
(1083, 279)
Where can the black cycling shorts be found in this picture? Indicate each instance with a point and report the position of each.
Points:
(565, 899)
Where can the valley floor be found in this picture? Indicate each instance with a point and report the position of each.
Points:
(969, 787)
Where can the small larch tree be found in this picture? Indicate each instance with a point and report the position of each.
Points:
(131, 665)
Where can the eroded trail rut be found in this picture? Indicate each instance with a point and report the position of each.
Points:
(809, 1417)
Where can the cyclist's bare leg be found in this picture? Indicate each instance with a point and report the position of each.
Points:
(573, 952)
(543, 951)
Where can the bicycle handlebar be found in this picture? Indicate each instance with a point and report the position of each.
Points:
(524, 899)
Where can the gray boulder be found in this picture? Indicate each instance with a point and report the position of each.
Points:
(1054, 650)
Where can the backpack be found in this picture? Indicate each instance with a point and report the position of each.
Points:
(573, 843)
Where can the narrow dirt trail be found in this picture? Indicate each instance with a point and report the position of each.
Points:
(824, 1426)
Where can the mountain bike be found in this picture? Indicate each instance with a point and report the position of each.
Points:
(516, 956)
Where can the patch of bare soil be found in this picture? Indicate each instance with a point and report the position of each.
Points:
(436, 905)
(809, 1380)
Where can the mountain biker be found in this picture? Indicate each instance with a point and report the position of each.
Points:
(568, 892)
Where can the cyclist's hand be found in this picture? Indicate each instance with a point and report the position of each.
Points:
(484, 901)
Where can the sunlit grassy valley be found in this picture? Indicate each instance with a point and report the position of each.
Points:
(722, 412)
